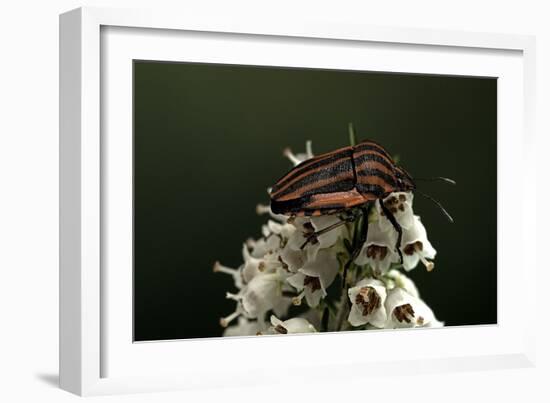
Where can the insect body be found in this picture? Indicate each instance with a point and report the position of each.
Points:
(330, 183)
(346, 180)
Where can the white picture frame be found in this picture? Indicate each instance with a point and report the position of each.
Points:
(97, 355)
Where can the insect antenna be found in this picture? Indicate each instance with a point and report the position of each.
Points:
(437, 178)
(438, 204)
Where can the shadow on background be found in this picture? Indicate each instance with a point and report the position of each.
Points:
(49, 379)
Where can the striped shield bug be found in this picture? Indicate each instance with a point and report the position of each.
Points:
(347, 181)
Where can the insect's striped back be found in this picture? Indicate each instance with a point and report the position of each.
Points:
(330, 172)
(375, 169)
(335, 181)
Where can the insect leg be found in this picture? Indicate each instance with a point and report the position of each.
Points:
(397, 227)
(358, 244)
(313, 236)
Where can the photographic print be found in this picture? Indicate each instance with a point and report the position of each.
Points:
(276, 200)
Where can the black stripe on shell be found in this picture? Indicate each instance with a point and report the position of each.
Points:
(371, 145)
(303, 167)
(375, 158)
(390, 180)
(317, 175)
(375, 190)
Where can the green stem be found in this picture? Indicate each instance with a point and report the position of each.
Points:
(351, 132)
(342, 310)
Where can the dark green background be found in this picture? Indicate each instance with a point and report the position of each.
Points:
(208, 142)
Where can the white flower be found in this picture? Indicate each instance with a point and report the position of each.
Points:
(281, 305)
(263, 209)
(244, 327)
(293, 325)
(434, 324)
(265, 231)
(224, 322)
(283, 231)
(263, 246)
(236, 273)
(416, 247)
(261, 294)
(300, 157)
(379, 249)
(400, 205)
(314, 277)
(306, 227)
(398, 279)
(253, 266)
(292, 259)
(367, 299)
(255, 299)
(263, 258)
(406, 310)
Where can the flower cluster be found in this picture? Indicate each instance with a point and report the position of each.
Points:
(284, 273)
